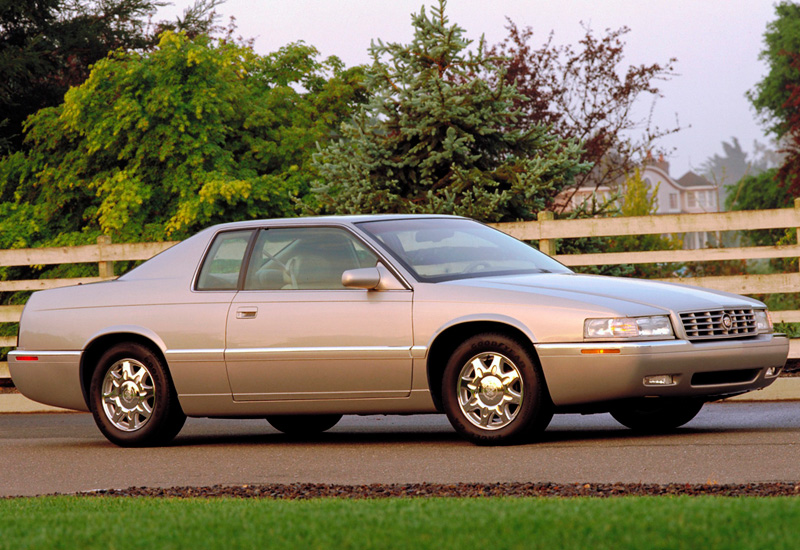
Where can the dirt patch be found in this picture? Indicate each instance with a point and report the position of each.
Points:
(792, 368)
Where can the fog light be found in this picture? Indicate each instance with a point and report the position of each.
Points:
(773, 371)
(659, 380)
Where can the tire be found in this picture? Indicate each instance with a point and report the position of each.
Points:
(493, 391)
(132, 397)
(303, 424)
(657, 415)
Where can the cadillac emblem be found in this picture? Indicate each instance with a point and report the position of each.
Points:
(727, 322)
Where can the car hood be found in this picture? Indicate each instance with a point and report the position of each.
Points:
(601, 291)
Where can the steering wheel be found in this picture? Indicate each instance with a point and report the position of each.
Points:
(289, 268)
(285, 267)
(477, 266)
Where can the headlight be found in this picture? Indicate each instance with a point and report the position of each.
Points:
(657, 327)
(763, 321)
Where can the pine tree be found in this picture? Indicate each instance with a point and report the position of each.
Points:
(437, 138)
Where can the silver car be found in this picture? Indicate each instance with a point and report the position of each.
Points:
(301, 321)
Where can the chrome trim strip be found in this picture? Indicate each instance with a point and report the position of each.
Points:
(339, 395)
(356, 349)
(611, 345)
(417, 352)
(666, 346)
(198, 351)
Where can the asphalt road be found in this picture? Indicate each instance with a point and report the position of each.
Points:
(726, 443)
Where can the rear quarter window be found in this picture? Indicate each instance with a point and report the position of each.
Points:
(223, 262)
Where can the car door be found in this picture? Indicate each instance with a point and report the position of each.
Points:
(295, 332)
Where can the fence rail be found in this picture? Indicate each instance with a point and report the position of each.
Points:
(548, 228)
(103, 251)
(545, 230)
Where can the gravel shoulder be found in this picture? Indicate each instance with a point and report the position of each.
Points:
(303, 491)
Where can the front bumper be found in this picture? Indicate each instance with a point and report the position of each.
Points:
(586, 373)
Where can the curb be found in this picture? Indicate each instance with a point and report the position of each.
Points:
(11, 403)
(783, 389)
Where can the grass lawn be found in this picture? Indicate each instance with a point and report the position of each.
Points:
(439, 523)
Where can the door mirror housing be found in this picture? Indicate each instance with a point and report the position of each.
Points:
(371, 278)
(366, 277)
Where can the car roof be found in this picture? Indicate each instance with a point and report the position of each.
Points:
(325, 220)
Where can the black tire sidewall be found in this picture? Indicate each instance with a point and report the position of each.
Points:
(300, 425)
(533, 401)
(660, 415)
(165, 421)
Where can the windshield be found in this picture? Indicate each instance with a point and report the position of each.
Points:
(440, 249)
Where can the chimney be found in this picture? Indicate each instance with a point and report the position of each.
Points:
(662, 164)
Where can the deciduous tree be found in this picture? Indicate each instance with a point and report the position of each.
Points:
(47, 46)
(155, 145)
(639, 199)
(585, 94)
(771, 95)
(760, 192)
(633, 198)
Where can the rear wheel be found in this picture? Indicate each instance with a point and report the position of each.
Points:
(493, 391)
(657, 415)
(132, 398)
(303, 424)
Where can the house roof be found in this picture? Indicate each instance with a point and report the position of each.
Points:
(690, 179)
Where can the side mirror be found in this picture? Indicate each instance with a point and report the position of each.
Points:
(366, 277)
(372, 278)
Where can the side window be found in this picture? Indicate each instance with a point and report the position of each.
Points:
(310, 258)
(223, 262)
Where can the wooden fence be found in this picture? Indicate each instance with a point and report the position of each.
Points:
(104, 254)
(546, 231)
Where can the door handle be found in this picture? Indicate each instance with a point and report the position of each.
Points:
(246, 313)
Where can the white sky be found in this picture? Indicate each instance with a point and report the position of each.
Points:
(716, 43)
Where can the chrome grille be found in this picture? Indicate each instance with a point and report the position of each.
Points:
(719, 323)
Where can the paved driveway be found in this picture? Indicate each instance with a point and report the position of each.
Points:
(726, 443)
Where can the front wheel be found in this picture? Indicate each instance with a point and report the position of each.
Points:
(656, 414)
(132, 398)
(493, 391)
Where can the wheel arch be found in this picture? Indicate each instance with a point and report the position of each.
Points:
(95, 348)
(445, 343)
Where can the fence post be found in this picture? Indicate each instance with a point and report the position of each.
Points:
(106, 268)
(797, 217)
(548, 246)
